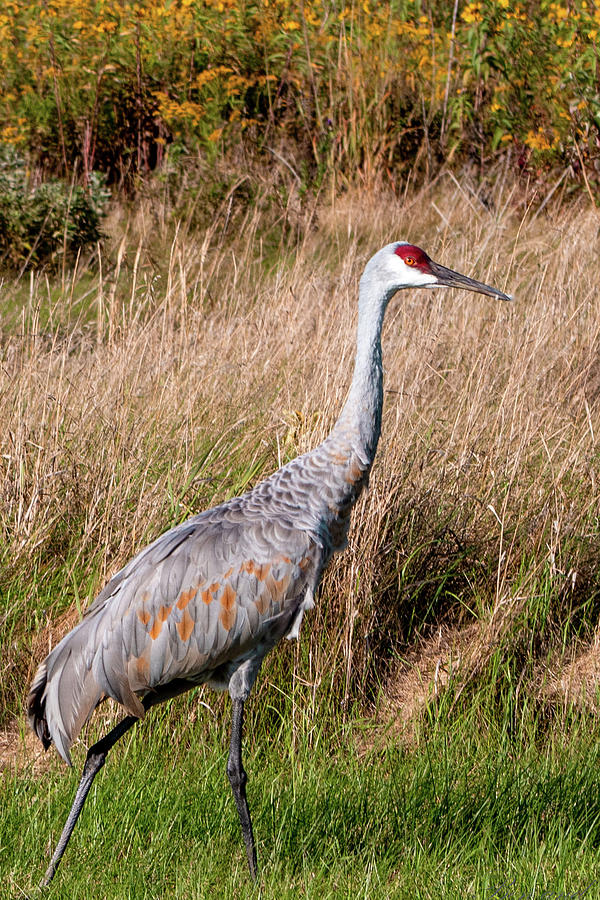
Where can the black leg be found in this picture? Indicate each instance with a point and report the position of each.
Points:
(237, 779)
(94, 762)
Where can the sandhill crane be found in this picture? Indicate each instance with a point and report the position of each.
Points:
(208, 599)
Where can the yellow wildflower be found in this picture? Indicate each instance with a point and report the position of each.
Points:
(472, 13)
(537, 140)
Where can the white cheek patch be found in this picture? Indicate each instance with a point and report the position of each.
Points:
(422, 279)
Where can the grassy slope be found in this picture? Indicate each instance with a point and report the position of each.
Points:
(173, 384)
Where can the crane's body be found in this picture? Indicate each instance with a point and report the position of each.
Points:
(208, 599)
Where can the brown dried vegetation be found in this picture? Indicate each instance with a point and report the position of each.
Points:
(170, 388)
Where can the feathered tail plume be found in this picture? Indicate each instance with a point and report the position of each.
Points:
(36, 706)
(83, 669)
(64, 693)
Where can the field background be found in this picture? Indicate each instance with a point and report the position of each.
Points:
(180, 261)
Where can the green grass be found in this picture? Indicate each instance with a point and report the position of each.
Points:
(461, 813)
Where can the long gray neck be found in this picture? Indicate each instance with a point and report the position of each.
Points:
(319, 488)
(360, 419)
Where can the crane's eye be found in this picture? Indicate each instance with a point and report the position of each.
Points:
(410, 261)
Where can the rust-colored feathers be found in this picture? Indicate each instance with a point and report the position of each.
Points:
(191, 606)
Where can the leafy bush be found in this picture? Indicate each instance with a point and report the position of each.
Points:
(40, 223)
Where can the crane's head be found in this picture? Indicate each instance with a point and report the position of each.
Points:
(401, 265)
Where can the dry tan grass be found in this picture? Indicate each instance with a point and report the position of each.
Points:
(574, 681)
(189, 380)
(21, 750)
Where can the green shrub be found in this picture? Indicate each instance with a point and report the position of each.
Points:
(40, 223)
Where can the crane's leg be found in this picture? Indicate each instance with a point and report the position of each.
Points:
(237, 779)
(93, 763)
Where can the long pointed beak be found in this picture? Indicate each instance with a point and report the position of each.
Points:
(449, 278)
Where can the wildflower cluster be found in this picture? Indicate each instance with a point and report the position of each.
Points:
(110, 84)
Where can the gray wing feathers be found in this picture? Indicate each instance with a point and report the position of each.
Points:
(210, 592)
(70, 693)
